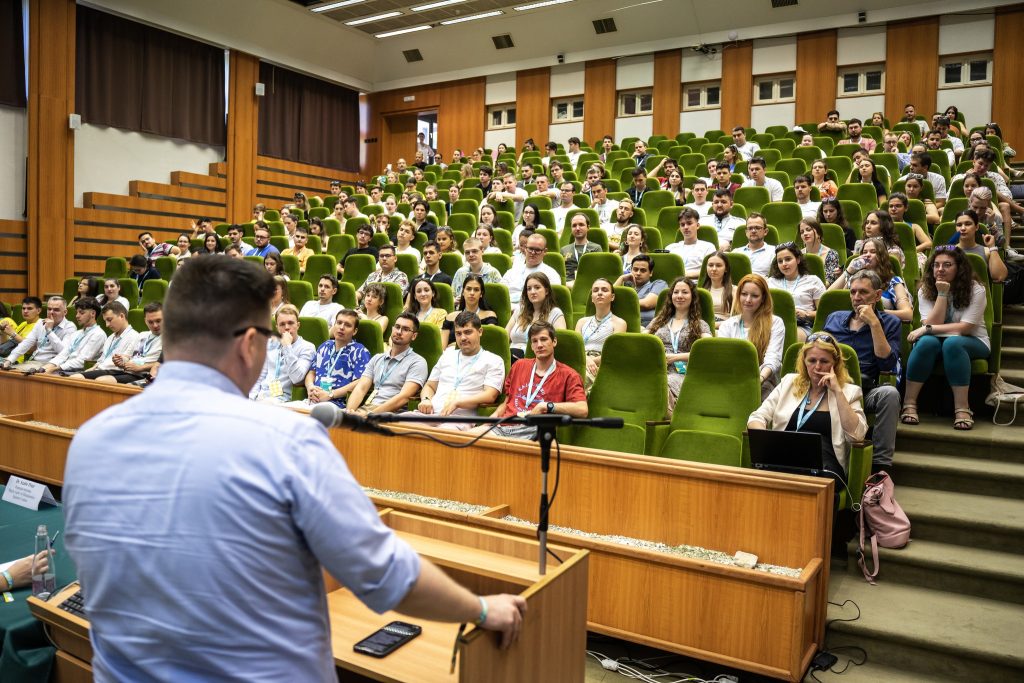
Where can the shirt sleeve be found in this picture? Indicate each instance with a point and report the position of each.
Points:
(975, 311)
(574, 392)
(417, 371)
(27, 343)
(773, 354)
(89, 350)
(494, 376)
(57, 340)
(297, 360)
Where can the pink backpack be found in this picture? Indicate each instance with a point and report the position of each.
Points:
(883, 519)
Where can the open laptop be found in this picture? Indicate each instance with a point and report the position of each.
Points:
(791, 452)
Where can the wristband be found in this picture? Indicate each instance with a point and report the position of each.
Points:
(10, 585)
(944, 295)
(483, 611)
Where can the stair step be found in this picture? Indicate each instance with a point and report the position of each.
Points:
(1013, 335)
(1013, 376)
(964, 518)
(943, 635)
(959, 474)
(985, 441)
(1012, 359)
(990, 574)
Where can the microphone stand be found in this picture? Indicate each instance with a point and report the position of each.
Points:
(546, 425)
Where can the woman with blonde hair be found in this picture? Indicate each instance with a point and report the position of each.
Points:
(753, 319)
(678, 325)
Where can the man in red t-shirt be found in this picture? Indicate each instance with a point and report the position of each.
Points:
(539, 385)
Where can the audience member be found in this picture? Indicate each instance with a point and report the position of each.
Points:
(721, 219)
(718, 281)
(473, 250)
(472, 299)
(392, 378)
(760, 253)
(595, 329)
(421, 301)
(12, 334)
(300, 250)
(88, 287)
(789, 272)
(372, 306)
(898, 204)
(82, 346)
(678, 325)
(515, 277)
(123, 339)
(832, 123)
(634, 243)
(802, 192)
(386, 271)
(757, 170)
(641, 278)
(154, 250)
(323, 306)
(746, 149)
(811, 234)
(47, 339)
(752, 319)
(287, 362)
(580, 245)
(431, 267)
(538, 305)
(895, 296)
(831, 211)
(337, 366)
(275, 265)
(827, 188)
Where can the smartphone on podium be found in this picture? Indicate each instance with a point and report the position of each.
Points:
(388, 639)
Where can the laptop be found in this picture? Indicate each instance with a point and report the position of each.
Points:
(791, 452)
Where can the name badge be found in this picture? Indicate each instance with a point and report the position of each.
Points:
(27, 494)
(274, 388)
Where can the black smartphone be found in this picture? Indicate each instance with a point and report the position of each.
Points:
(388, 639)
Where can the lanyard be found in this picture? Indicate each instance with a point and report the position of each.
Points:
(785, 283)
(145, 346)
(597, 326)
(577, 253)
(379, 381)
(335, 355)
(639, 195)
(78, 342)
(531, 394)
(112, 347)
(674, 336)
(277, 364)
(458, 368)
(802, 417)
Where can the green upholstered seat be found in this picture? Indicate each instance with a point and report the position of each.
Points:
(591, 267)
(497, 298)
(314, 330)
(428, 344)
(785, 308)
(752, 198)
(495, 340)
(357, 268)
(371, 336)
(116, 267)
(319, 265)
(626, 305)
(862, 193)
(299, 292)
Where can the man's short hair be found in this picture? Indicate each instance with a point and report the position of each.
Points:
(646, 258)
(153, 307)
(699, 181)
(803, 179)
(235, 227)
(33, 301)
(923, 157)
(574, 140)
(691, 213)
(406, 315)
(365, 228)
(739, 129)
(985, 155)
(854, 120)
(757, 160)
(831, 111)
(288, 309)
(89, 303)
(115, 307)
(421, 202)
(472, 242)
(486, 169)
(347, 313)
(212, 298)
(942, 121)
(722, 192)
(431, 243)
(143, 234)
(328, 276)
(385, 247)
(542, 326)
(467, 318)
(869, 275)
(637, 172)
(360, 183)
(232, 248)
(138, 261)
(600, 184)
(302, 228)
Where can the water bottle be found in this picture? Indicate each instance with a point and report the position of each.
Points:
(44, 581)
(326, 384)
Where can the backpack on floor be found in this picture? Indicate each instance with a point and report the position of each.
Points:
(881, 518)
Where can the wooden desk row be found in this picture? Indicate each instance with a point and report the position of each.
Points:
(749, 619)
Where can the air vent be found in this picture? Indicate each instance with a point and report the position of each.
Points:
(784, 3)
(604, 26)
(503, 41)
(412, 56)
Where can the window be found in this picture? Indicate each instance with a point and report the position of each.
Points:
(702, 96)
(861, 80)
(636, 102)
(567, 109)
(773, 89)
(501, 116)
(961, 70)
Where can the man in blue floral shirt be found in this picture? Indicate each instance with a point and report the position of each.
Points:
(338, 365)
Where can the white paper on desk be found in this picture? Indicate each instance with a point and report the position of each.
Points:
(27, 493)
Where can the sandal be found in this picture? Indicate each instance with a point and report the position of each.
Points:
(908, 415)
(963, 424)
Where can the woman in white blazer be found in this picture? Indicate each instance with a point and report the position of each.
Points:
(819, 397)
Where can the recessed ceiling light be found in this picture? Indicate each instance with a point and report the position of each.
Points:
(483, 15)
(399, 32)
(535, 5)
(375, 17)
(336, 5)
(435, 5)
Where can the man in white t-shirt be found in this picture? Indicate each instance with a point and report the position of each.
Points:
(510, 192)
(746, 149)
(599, 202)
(692, 250)
(760, 254)
(323, 306)
(565, 205)
(721, 219)
(802, 190)
(464, 378)
(515, 277)
(757, 170)
(574, 151)
(700, 202)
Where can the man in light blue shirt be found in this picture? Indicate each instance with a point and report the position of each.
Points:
(289, 357)
(198, 520)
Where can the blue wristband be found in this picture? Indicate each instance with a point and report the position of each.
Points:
(483, 611)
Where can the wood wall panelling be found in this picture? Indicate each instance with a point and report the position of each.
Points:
(1007, 74)
(243, 133)
(13, 259)
(667, 92)
(461, 115)
(911, 65)
(737, 84)
(533, 106)
(599, 100)
(51, 147)
(816, 55)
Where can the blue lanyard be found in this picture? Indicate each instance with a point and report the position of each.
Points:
(597, 326)
(385, 374)
(145, 346)
(802, 417)
(785, 283)
(335, 355)
(458, 368)
(78, 342)
(112, 347)
(674, 336)
(531, 393)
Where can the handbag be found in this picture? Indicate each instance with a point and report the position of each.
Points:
(7, 347)
(883, 519)
(1003, 392)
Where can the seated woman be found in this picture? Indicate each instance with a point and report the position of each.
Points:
(831, 211)
(811, 234)
(866, 172)
(538, 304)
(112, 292)
(184, 247)
(488, 215)
(485, 233)
(679, 324)
(87, 287)
(913, 186)
(280, 297)
(877, 120)
(211, 245)
(421, 301)
(530, 220)
(827, 189)
(391, 206)
(274, 265)
(472, 299)
(789, 272)
(446, 245)
(404, 237)
(730, 156)
(895, 296)
(952, 305)
(898, 205)
(634, 243)
(595, 329)
(818, 398)
(967, 225)
(752, 319)
(316, 227)
(879, 224)
(718, 281)
(674, 184)
(372, 307)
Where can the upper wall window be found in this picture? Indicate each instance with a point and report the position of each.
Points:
(501, 116)
(566, 109)
(702, 95)
(861, 80)
(961, 70)
(636, 102)
(775, 89)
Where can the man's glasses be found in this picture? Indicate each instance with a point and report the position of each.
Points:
(535, 250)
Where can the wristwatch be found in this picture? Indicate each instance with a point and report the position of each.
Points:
(551, 407)
(928, 329)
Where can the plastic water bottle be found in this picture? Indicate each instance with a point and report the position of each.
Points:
(43, 582)
(326, 384)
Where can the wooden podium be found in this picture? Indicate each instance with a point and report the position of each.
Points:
(551, 647)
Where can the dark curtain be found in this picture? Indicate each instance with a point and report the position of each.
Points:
(140, 78)
(12, 54)
(308, 120)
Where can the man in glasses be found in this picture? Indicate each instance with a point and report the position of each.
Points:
(473, 249)
(261, 238)
(515, 277)
(393, 377)
(875, 336)
(832, 123)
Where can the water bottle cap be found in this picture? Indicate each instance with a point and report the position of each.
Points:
(41, 529)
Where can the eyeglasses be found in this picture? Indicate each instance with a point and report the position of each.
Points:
(265, 331)
(535, 250)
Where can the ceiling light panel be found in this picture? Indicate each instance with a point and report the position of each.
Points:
(436, 5)
(336, 5)
(399, 32)
(472, 17)
(375, 17)
(538, 5)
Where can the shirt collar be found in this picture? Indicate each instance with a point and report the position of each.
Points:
(197, 373)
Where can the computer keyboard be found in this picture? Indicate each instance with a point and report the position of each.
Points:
(74, 604)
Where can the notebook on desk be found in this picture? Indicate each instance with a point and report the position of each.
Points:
(791, 452)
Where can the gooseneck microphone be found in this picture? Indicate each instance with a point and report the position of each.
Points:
(330, 415)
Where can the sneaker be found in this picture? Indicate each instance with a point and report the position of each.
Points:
(1013, 255)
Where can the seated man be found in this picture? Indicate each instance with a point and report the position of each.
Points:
(84, 345)
(757, 169)
(46, 339)
(641, 278)
(580, 245)
(387, 271)
(638, 189)
(364, 235)
(921, 164)
(393, 377)
(123, 338)
(300, 250)
(761, 254)
(544, 188)
(832, 123)
(323, 306)
(509, 192)
(723, 181)
(746, 149)
(338, 365)
(853, 129)
(721, 219)
(288, 360)
(700, 202)
(802, 190)
(692, 250)
(154, 250)
(541, 386)
(140, 271)
(465, 377)
(235, 239)
(473, 250)
(515, 277)
(875, 336)
(432, 264)
(261, 238)
(31, 309)
(606, 208)
(420, 208)
(565, 204)
(136, 366)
